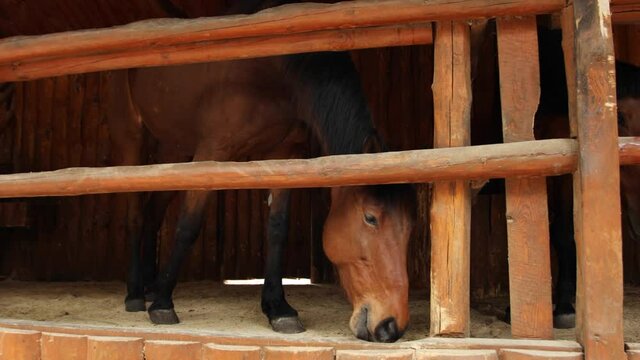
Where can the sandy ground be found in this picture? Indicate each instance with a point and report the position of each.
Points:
(235, 310)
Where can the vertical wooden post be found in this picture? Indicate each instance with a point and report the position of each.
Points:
(527, 214)
(451, 201)
(596, 183)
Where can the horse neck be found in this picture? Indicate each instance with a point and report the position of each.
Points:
(330, 100)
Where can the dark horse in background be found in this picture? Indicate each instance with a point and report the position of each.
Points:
(552, 122)
(262, 108)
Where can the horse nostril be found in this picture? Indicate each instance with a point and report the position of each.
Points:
(387, 331)
(361, 331)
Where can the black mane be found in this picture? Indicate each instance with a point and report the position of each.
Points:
(331, 100)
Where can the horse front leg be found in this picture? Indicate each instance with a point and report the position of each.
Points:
(154, 212)
(282, 317)
(162, 310)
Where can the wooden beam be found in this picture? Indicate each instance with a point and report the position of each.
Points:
(597, 184)
(234, 345)
(529, 158)
(526, 199)
(625, 11)
(217, 50)
(629, 150)
(451, 200)
(514, 354)
(158, 42)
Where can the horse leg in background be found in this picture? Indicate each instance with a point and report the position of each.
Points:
(162, 310)
(562, 239)
(154, 212)
(282, 317)
(125, 128)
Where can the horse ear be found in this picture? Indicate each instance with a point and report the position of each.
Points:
(373, 144)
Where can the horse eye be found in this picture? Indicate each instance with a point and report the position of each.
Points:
(370, 219)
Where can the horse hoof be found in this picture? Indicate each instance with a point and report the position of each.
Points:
(564, 321)
(134, 305)
(163, 317)
(287, 325)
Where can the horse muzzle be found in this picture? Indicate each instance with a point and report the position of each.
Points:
(386, 331)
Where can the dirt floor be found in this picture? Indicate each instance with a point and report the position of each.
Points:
(235, 310)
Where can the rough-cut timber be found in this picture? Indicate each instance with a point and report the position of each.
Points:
(79, 49)
(298, 353)
(597, 185)
(18, 344)
(540, 157)
(456, 355)
(526, 199)
(63, 346)
(169, 350)
(229, 49)
(230, 352)
(225, 341)
(629, 150)
(625, 11)
(398, 354)
(114, 348)
(451, 201)
(633, 354)
(513, 354)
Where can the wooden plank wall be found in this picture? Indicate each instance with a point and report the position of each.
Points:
(60, 122)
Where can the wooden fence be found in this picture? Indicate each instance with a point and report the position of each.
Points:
(593, 158)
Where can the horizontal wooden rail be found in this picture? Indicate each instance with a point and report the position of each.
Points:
(625, 11)
(541, 157)
(229, 49)
(23, 58)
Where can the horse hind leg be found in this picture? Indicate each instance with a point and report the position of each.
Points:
(282, 316)
(154, 213)
(125, 127)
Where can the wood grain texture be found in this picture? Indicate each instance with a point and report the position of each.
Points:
(230, 352)
(298, 353)
(114, 348)
(34, 67)
(177, 41)
(223, 339)
(597, 184)
(522, 159)
(169, 350)
(451, 201)
(455, 354)
(404, 354)
(527, 214)
(513, 354)
(63, 346)
(18, 344)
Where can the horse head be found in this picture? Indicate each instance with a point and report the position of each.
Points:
(366, 236)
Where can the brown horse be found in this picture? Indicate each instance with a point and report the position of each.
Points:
(552, 122)
(262, 108)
